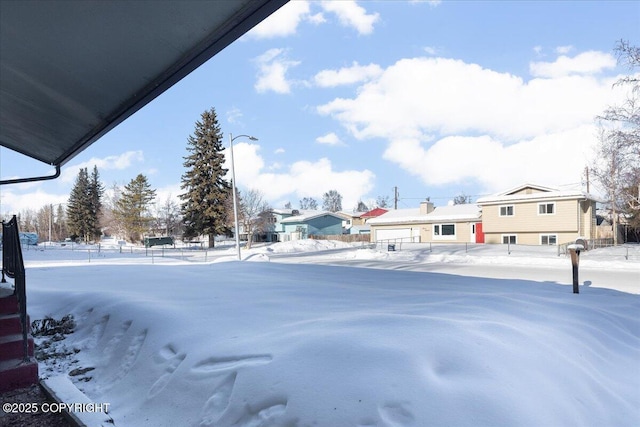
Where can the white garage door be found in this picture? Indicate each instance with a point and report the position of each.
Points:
(394, 233)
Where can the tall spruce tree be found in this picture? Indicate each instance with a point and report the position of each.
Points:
(84, 205)
(132, 208)
(95, 192)
(206, 190)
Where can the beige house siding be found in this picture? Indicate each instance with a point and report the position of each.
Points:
(588, 219)
(528, 238)
(570, 219)
(463, 233)
(526, 217)
(424, 232)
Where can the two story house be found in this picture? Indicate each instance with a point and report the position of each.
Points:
(536, 215)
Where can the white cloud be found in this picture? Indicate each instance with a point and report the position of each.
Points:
(119, 162)
(284, 21)
(279, 150)
(234, 115)
(550, 159)
(301, 179)
(422, 96)
(447, 121)
(12, 202)
(591, 62)
(430, 50)
(272, 70)
(432, 3)
(350, 14)
(347, 75)
(563, 50)
(329, 139)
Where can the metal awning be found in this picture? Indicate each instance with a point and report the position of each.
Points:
(70, 71)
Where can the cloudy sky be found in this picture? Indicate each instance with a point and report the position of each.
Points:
(436, 98)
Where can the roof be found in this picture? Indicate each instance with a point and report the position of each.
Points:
(374, 213)
(309, 215)
(463, 212)
(71, 71)
(350, 214)
(543, 193)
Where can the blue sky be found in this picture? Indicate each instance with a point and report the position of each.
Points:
(436, 98)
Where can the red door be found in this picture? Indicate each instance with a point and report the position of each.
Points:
(479, 233)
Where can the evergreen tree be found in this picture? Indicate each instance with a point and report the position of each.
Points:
(84, 205)
(206, 190)
(79, 207)
(362, 207)
(132, 208)
(95, 193)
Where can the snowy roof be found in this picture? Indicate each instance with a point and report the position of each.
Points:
(463, 212)
(543, 193)
(307, 215)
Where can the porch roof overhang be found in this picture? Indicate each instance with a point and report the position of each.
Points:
(70, 71)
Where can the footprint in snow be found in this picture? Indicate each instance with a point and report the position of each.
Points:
(395, 414)
(218, 403)
(129, 357)
(171, 359)
(214, 365)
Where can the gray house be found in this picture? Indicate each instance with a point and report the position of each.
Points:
(302, 224)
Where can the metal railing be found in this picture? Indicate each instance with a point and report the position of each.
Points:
(13, 267)
(589, 243)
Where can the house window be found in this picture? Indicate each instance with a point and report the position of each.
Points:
(506, 210)
(444, 230)
(549, 239)
(510, 239)
(546, 208)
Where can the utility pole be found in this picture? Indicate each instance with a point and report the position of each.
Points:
(395, 198)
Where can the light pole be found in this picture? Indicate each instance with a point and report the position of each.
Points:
(233, 187)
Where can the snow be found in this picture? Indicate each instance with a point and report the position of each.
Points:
(324, 333)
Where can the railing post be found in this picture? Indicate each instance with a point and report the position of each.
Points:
(13, 266)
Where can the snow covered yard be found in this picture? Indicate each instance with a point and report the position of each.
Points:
(296, 342)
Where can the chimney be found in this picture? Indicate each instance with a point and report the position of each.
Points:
(426, 207)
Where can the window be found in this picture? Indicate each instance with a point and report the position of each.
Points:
(444, 230)
(548, 239)
(448, 229)
(509, 238)
(506, 210)
(546, 208)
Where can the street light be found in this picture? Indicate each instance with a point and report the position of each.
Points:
(233, 187)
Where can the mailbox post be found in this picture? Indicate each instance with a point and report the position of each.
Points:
(574, 252)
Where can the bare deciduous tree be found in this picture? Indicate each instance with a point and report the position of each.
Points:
(617, 164)
(253, 207)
